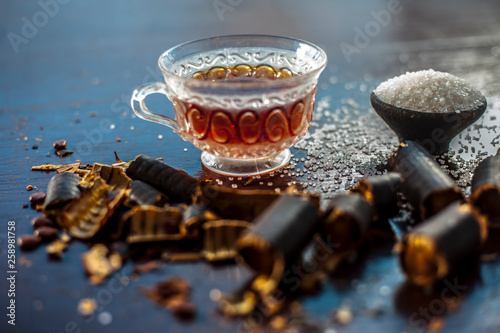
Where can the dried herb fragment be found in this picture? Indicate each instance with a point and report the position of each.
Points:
(74, 168)
(173, 294)
(114, 176)
(46, 167)
(64, 152)
(56, 248)
(99, 265)
(87, 306)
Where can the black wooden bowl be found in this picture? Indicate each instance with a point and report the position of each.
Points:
(432, 130)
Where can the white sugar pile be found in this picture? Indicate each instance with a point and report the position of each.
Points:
(429, 91)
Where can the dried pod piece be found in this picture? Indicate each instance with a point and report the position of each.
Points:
(276, 238)
(146, 195)
(195, 215)
(84, 216)
(114, 176)
(62, 188)
(346, 221)
(423, 182)
(154, 224)
(220, 237)
(246, 205)
(485, 189)
(177, 185)
(439, 245)
(98, 265)
(381, 192)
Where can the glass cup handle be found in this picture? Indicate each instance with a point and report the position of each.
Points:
(138, 104)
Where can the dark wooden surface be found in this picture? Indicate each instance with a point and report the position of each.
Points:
(72, 76)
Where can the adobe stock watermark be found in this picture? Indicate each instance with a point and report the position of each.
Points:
(437, 306)
(224, 6)
(31, 25)
(363, 37)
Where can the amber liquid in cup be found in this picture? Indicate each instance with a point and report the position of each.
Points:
(244, 100)
(246, 133)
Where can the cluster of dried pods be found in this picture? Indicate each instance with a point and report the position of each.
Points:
(148, 202)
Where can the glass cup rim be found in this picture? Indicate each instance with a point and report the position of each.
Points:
(297, 80)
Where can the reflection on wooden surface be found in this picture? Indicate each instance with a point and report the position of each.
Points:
(68, 71)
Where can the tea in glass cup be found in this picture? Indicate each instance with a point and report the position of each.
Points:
(244, 100)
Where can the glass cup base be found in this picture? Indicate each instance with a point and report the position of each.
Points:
(245, 168)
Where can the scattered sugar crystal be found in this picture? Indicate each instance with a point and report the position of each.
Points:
(105, 318)
(344, 149)
(429, 91)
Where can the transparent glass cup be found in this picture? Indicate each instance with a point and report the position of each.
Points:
(243, 99)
